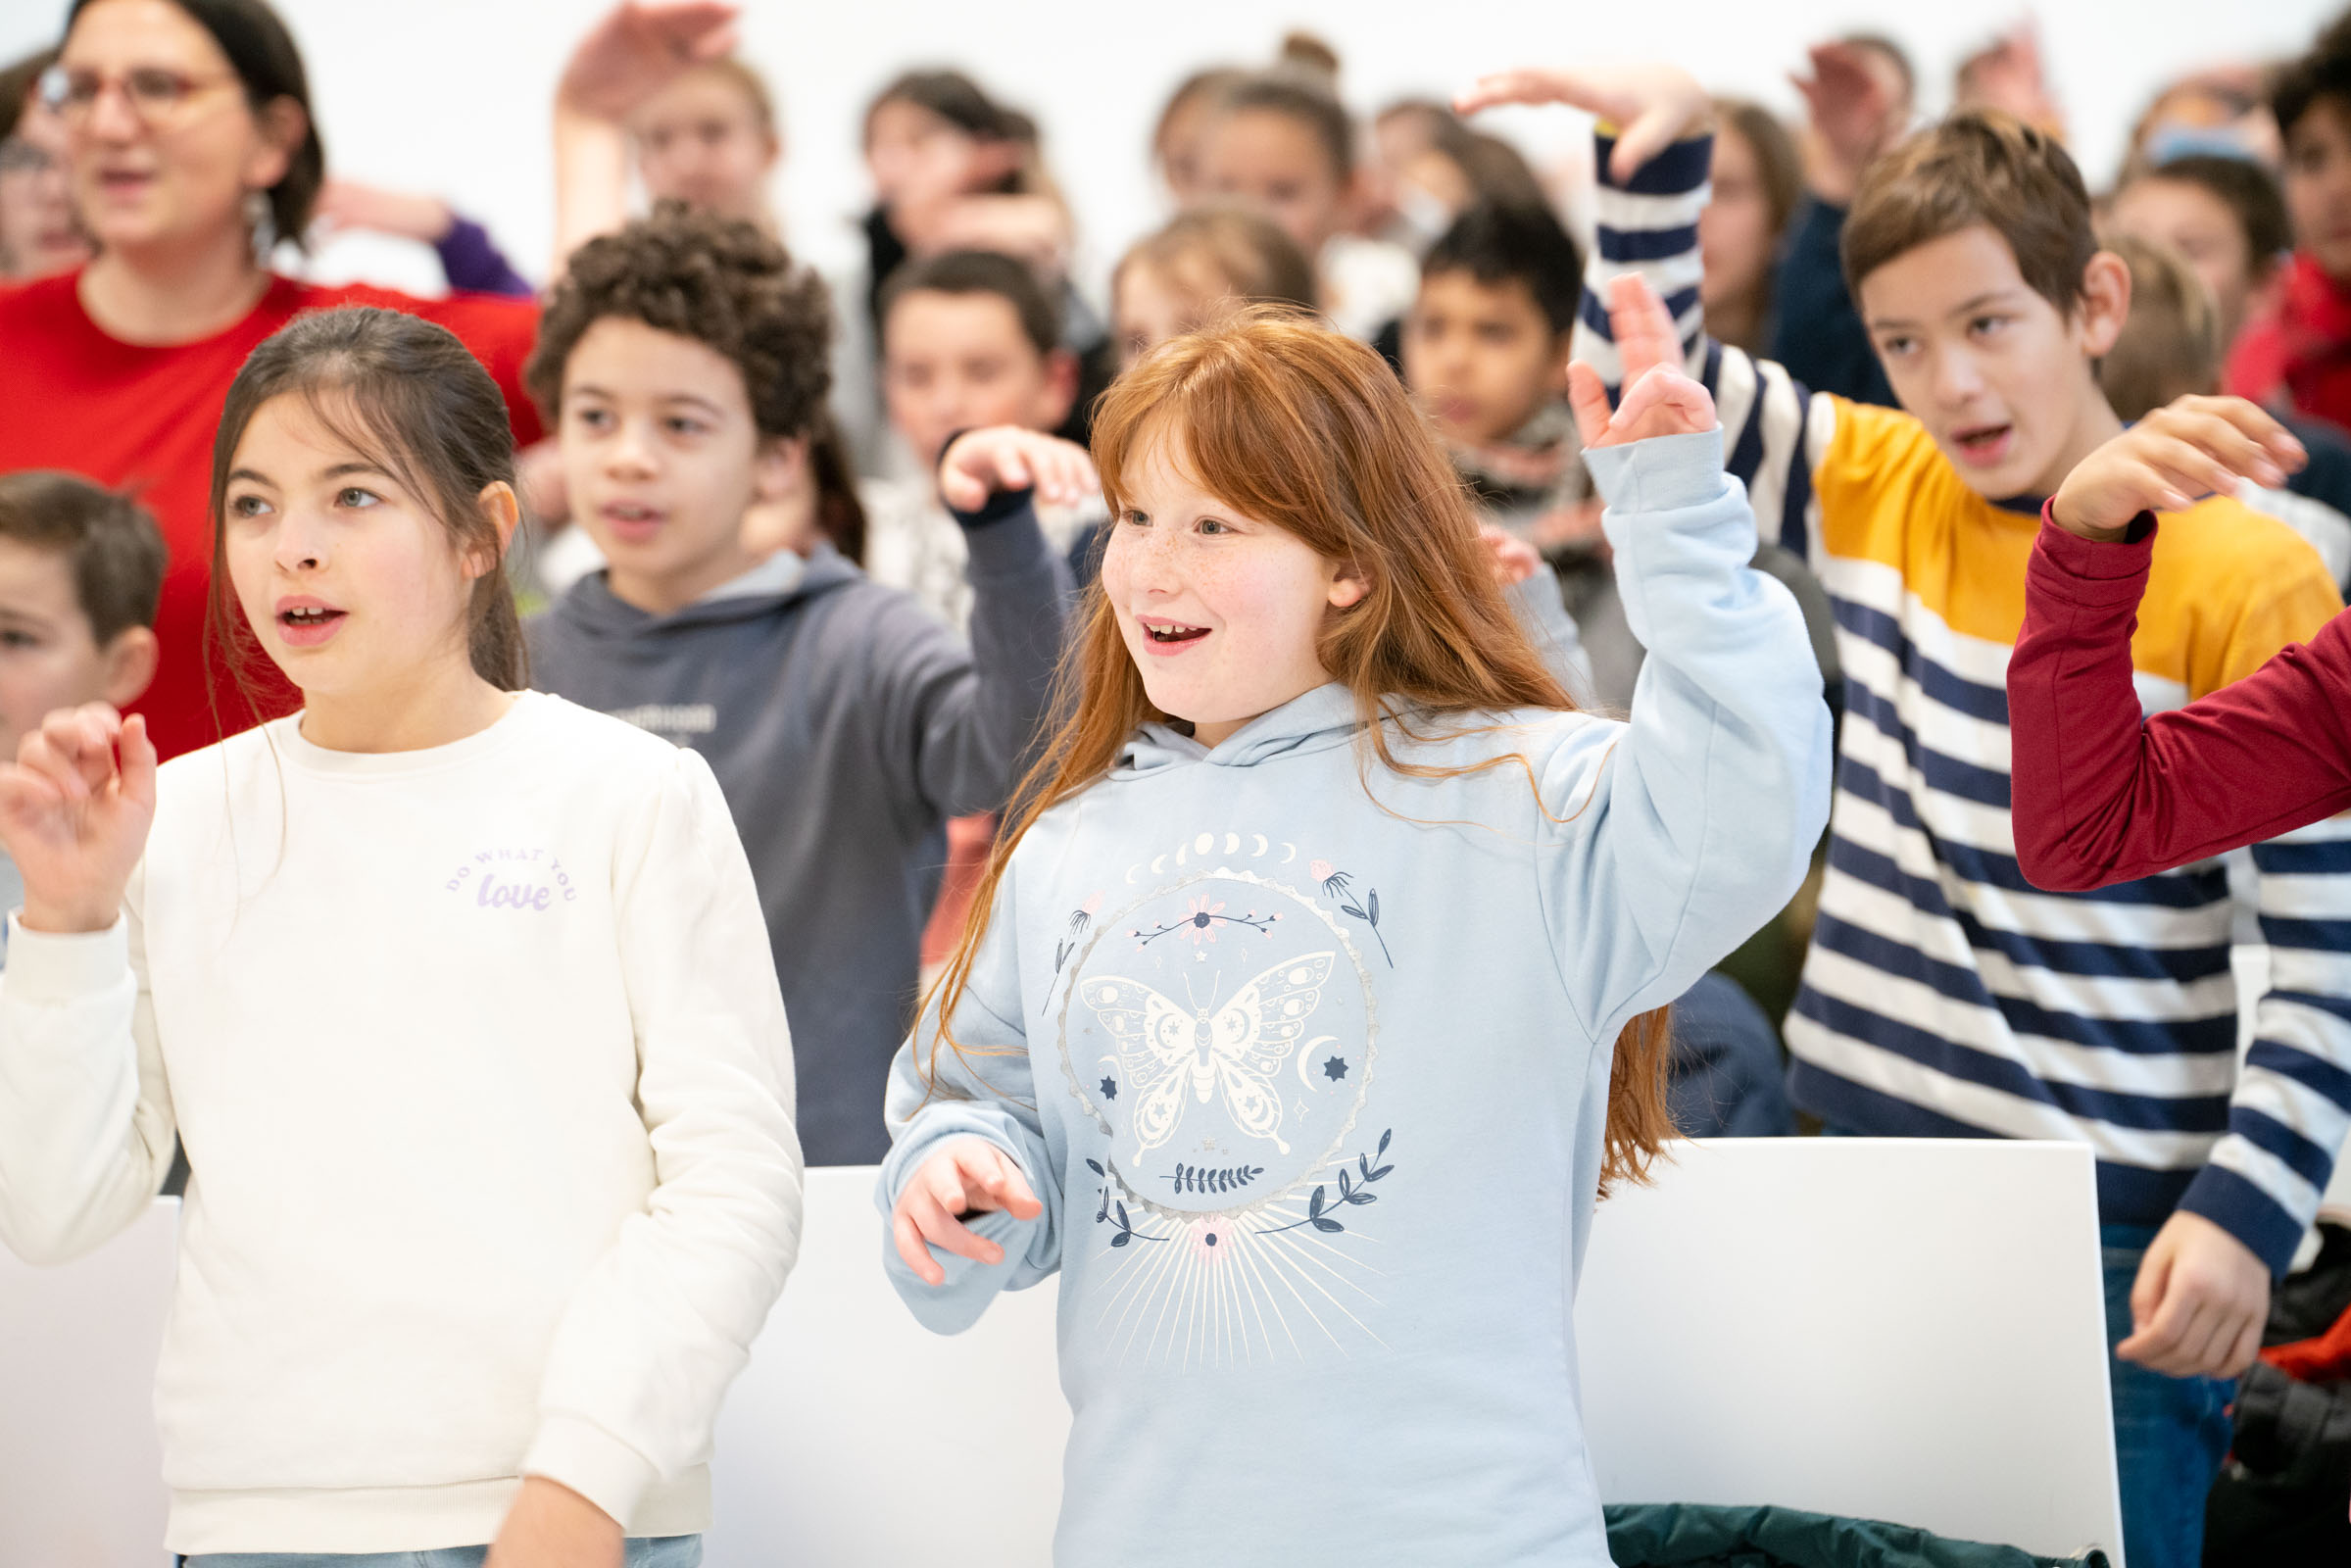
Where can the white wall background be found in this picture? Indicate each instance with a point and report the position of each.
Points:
(453, 95)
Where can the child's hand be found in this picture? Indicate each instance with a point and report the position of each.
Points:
(639, 47)
(552, 1525)
(2199, 1305)
(2194, 448)
(1514, 560)
(967, 1176)
(1652, 106)
(979, 464)
(1856, 114)
(75, 815)
(1658, 399)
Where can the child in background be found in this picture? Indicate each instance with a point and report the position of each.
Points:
(1315, 791)
(2227, 215)
(2297, 357)
(2170, 347)
(1202, 263)
(1178, 138)
(81, 569)
(38, 232)
(1284, 146)
(971, 339)
(434, 923)
(1942, 997)
(1758, 179)
(683, 363)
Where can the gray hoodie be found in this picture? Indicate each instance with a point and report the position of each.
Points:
(845, 723)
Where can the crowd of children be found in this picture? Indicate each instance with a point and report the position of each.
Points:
(593, 749)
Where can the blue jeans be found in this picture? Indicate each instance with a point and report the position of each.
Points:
(2170, 1434)
(643, 1551)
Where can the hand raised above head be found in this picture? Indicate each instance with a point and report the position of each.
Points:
(979, 464)
(1653, 105)
(1660, 398)
(639, 47)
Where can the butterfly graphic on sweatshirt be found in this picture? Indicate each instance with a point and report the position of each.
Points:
(1166, 1048)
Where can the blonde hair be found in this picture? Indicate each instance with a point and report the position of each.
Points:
(2170, 345)
(1295, 425)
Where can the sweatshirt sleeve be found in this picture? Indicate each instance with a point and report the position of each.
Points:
(472, 263)
(1775, 431)
(86, 1127)
(958, 728)
(666, 1319)
(2102, 796)
(978, 1085)
(1683, 830)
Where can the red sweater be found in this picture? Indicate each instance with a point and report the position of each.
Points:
(2101, 796)
(71, 397)
(2299, 356)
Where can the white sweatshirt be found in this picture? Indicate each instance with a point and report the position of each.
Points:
(482, 1071)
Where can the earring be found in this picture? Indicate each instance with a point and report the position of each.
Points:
(263, 226)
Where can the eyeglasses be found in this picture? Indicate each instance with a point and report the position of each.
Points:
(154, 93)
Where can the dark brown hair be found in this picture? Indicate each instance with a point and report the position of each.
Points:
(17, 80)
(723, 282)
(262, 54)
(2249, 191)
(2323, 72)
(1306, 98)
(2169, 344)
(412, 401)
(982, 272)
(115, 550)
(1310, 432)
(1980, 167)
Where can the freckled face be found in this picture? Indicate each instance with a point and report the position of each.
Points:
(1222, 612)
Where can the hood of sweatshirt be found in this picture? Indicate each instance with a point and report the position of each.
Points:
(1314, 721)
(592, 607)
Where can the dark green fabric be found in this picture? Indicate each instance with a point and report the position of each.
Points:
(1675, 1535)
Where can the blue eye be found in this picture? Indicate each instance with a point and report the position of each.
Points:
(247, 505)
(355, 497)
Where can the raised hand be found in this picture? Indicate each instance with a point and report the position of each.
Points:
(75, 809)
(1652, 106)
(639, 47)
(979, 464)
(1659, 399)
(1856, 111)
(2183, 452)
(2009, 76)
(967, 1176)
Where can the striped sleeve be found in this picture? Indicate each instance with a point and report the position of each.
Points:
(2291, 1107)
(1775, 433)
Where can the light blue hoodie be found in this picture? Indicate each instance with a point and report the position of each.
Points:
(1313, 1092)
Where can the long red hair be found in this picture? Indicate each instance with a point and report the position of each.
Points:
(1292, 425)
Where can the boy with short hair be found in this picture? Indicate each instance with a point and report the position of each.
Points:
(682, 363)
(81, 568)
(970, 340)
(1942, 995)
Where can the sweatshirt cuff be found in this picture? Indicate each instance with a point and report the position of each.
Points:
(999, 506)
(1015, 547)
(55, 967)
(2233, 1203)
(574, 1451)
(1664, 473)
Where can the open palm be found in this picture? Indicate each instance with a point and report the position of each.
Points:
(638, 48)
(1660, 398)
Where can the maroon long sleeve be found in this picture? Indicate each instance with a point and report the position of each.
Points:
(2103, 796)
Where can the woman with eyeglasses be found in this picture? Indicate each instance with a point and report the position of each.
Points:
(191, 152)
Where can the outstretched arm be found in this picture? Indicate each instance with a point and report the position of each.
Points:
(2100, 797)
